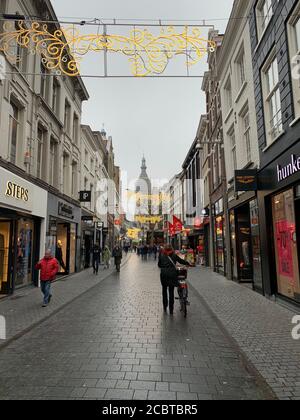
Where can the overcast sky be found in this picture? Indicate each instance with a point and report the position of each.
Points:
(157, 117)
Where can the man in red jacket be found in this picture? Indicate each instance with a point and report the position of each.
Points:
(49, 268)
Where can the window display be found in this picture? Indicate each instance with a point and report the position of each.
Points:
(5, 228)
(285, 240)
(25, 232)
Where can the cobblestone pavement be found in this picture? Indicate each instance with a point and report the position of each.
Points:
(114, 342)
(260, 327)
(24, 308)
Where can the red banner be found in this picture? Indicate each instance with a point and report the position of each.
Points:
(172, 231)
(178, 225)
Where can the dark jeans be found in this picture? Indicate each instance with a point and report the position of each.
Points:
(96, 266)
(168, 300)
(46, 290)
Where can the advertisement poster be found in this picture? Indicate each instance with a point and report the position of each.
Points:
(284, 235)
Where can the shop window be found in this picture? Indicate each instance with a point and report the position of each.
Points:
(285, 240)
(5, 232)
(25, 235)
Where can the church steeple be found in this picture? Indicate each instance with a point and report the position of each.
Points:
(144, 174)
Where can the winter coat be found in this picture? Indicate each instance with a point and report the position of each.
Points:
(168, 274)
(49, 268)
(118, 255)
(106, 255)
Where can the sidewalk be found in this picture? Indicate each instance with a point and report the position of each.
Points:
(23, 310)
(261, 328)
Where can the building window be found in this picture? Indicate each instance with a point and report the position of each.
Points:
(53, 169)
(44, 81)
(232, 142)
(75, 128)
(39, 156)
(74, 179)
(228, 95)
(264, 13)
(247, 137)
(272, 101)
(294, 49)
(66, 168)
(14, 124)
(21, 53)
(240, 65)
(55, 96)
(67, 118)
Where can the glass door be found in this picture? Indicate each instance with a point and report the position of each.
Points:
(5, 241)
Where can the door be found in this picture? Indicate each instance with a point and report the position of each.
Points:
(5, 256)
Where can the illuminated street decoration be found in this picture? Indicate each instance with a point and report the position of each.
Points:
(149, 219)
(62, 49)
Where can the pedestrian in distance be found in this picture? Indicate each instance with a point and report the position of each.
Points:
(49, 268)
(169, 281)
(106, 258)
(155, 250)
(118, 255)
(96, 258)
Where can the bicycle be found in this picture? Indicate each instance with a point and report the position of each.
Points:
(183, 291)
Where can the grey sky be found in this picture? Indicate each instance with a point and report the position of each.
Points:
(157, 117)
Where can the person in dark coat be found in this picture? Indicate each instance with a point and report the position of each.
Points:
(117, 255)
(96, 258)
(167, 264)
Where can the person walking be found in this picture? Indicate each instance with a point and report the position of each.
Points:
(96, 258)
(155, 250)
(167, 263)
(118, 255)
(49, 268)
(106, 257)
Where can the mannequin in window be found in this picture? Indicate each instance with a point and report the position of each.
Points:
(59, 255)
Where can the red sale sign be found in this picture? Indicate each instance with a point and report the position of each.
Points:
(284, 236)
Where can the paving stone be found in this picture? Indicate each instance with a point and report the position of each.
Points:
(161, 396)
(126, 348)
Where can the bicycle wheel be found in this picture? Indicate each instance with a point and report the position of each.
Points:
(185, 308)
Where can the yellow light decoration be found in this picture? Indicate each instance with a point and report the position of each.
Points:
(148, 54)
(148, 219)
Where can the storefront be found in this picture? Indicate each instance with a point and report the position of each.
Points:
(279, 203)
(245, 240)
(23, 211)
(219, 236)
(63, 233)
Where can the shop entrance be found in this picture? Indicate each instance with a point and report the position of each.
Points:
(65, 252)
(244, 244)
(5, 256)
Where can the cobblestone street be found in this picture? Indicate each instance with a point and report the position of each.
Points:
(115, 342)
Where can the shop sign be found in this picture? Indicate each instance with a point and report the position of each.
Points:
(85, 196)
(15, 192)
(87, 218)
(99, 225)
(245, 180)
(65, 210)
(284, 172)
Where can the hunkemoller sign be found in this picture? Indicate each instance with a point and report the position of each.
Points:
(284, 172)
